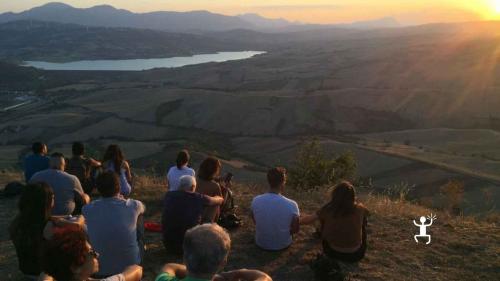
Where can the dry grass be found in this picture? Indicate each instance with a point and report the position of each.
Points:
(463, 248)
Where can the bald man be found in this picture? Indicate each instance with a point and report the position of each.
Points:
(67, 188)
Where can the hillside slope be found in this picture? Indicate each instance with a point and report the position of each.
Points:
(462, 248)
(49, 41)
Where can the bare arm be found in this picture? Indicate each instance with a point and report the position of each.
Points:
(415, 223)
(245, 275)
(216, 200)
(94, 163)
(133, 273)
(48, 230)
(295, 225)
(85, 198)
(128, 174)
(308, 219)
(175, 269)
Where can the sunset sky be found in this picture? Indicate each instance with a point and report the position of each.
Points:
(310, 11)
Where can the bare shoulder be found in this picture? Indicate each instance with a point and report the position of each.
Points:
(362, 208)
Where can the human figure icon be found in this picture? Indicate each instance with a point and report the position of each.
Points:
(423, 228)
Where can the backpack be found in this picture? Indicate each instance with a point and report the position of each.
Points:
(228, 218)
(327, 269)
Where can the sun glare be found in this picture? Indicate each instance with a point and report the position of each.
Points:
(497, 6)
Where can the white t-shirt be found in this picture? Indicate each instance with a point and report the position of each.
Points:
(174, 174)
(273, 214)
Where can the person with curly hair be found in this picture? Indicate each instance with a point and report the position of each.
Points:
(68, 256)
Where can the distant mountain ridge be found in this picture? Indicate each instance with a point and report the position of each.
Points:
(108, 16)
(191, 22)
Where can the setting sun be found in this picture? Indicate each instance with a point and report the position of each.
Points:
(497, 6)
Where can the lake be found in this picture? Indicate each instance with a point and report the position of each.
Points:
(142, 64)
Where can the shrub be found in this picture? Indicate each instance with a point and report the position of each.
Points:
(398, 191)
(454, 193)
(314, 168)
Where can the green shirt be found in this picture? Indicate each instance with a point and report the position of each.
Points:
(167, 277)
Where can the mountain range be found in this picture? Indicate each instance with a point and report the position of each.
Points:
(193, 21)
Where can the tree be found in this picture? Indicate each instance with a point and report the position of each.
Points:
(314, 168)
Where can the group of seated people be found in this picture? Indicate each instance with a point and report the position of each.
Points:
(342, 219)
(106, 241)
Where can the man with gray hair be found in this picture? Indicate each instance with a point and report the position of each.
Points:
(182, 209)
(206, 249)
(67, 188)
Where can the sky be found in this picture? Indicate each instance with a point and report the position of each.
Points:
(307, 11)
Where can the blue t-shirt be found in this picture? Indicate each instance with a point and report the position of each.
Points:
(34, 163)
(112, 229)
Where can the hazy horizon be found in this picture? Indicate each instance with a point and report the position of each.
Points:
(312, 11)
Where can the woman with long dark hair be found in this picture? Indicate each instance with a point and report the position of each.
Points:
(180, 169)
(114, 161)
(207, 184)
(34, 224)
(343, 224)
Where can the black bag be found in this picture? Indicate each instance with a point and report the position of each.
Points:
(326, 269)
(228, 218)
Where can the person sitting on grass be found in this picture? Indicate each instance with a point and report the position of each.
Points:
(182, 209)
(206, 249)
(276, 217)
(180, 169)
(69, 195)
(114, 226)
(81, 167)
(208, 174)
(36, 162)
(343, 224)
(33, 225)
(114, 161)
(68, 256)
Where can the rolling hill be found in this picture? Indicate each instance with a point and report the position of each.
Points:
(35, 40)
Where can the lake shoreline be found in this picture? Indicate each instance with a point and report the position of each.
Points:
(141, 64)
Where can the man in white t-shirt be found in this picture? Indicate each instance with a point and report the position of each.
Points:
(181, 169)
(276, 217)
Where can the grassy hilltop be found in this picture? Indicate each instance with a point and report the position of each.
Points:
(462, 248)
